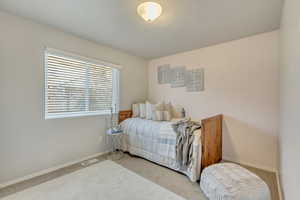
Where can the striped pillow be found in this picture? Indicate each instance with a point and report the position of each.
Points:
(167, 116)
(142, 110)
(135, 110)
(159, 116)
(150, 108)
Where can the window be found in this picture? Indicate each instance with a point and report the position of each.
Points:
(77, 86)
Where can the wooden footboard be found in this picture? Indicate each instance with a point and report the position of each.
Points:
(211, 138)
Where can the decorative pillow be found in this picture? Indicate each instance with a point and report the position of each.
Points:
(168, 107)
(142, 110)
(177, 111)
(150, 108)
(167, 116)
(159, 116)
(135, 110)
(154, 115)
(159, 106)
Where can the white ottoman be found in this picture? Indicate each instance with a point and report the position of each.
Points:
(227, 181)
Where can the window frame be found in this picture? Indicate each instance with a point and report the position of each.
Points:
(116, 84)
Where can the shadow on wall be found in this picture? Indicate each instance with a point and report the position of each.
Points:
(248, 145)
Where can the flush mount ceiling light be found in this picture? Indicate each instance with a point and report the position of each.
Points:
(149, 11)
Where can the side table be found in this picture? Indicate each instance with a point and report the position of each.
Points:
(115, 136)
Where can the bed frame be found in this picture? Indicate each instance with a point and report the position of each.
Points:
(211, 138)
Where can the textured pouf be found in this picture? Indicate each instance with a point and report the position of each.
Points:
(227, 181)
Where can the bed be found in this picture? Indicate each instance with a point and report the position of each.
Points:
(156, 141)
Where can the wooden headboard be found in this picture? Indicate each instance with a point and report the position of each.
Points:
(211, 138)
(125, 114)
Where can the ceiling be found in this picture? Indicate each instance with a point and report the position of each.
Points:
(184, 24)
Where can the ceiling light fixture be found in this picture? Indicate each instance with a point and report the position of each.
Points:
(149, 11)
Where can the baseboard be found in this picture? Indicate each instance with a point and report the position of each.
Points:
(46, 171)
(251, 165)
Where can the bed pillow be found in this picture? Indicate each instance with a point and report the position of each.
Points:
(167, 116)
(168, 107)
(159, 115)
(142, 110)
(177, 111)
(150, 108)
(135, 110)
(157, 107)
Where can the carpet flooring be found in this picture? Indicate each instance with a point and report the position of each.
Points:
(166, 178)
(105, 180)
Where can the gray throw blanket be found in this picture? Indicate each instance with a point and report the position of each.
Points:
(184, 141)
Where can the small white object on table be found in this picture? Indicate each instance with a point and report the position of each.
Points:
(228, 181)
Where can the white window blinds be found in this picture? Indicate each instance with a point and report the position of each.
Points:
(76, 86)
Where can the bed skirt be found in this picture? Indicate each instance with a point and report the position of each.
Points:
(193, 173)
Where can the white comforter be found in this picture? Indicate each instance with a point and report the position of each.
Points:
(156, 141)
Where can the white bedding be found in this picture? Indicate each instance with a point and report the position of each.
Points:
(156, 141)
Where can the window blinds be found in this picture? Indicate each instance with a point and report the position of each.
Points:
(76, 87)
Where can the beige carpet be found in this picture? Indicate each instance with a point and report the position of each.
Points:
(166, 178)
(179, 183)
(103, 181)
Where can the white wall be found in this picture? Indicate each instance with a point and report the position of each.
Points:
(289, 99)
(28, 143)
(241, 82)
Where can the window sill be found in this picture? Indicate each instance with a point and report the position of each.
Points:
(75, 115)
